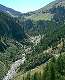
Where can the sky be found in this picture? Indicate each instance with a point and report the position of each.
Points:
(25, 5)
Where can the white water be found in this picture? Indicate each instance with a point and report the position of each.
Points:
(12, 72)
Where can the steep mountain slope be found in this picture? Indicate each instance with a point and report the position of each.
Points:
(10, 27)
(51, 70)
(37, 22)
(11, 34)
(50, 44)
(45, 12)
(9, 11)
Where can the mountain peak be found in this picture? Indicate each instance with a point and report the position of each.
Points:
(60, 0)
(9, 10)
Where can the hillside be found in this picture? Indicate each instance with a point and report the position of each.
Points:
(10, 11)
(31, 40)
(9, 27)
(45, 12)
(52, 41)
(48, 71)
(11, 33)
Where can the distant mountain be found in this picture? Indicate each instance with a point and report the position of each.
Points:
(47, 25)
(45, 12)
(9, 10)
(37, 22)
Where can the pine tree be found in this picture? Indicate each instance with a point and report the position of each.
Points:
(35, 76)
(28, 76)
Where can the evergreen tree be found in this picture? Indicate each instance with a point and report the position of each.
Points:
(35, 76)
(28, 76)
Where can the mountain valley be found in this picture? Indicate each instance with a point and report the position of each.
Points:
(32, 45)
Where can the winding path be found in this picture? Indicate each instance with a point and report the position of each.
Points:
(12, 72)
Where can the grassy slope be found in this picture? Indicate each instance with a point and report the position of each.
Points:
(41, 14)
(46, 16)
(38, 69)
(44, 13)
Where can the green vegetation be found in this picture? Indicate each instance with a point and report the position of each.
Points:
(38, 17)
(53, 70)
(11, 34)
(45, 12)
(9, 27)
(54, 34)
(14, 41)
(2, 70)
